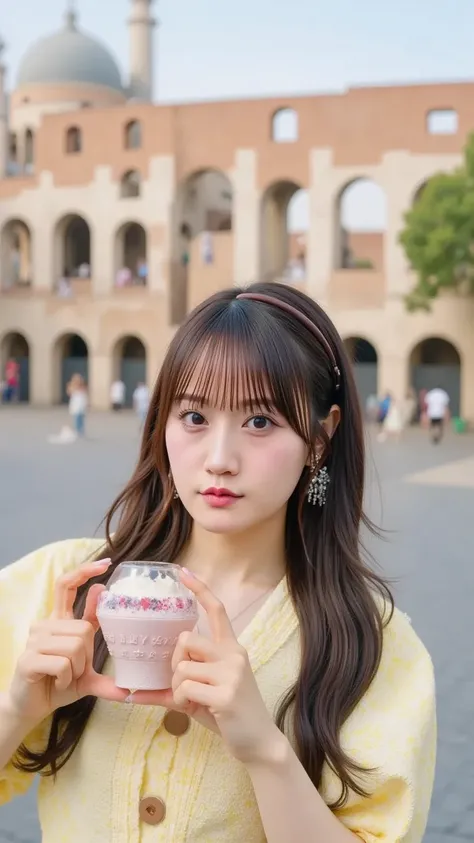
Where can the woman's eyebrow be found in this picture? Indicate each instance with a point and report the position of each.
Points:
(247, 403)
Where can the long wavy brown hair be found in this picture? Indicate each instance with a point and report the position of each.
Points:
(256, 348)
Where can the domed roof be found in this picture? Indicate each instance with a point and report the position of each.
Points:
(67, 57)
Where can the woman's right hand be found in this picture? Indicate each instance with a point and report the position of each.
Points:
(56, 668)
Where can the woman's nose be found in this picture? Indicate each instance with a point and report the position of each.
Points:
(221, 456)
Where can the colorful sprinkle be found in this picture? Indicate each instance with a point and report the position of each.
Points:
(171, 605)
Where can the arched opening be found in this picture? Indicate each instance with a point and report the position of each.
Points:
(71, 358)
(29, 152)
(204, 207)
(436, 363)
(361, 222)
(285, 222)
(73, 247)
(285, 127)
(364, 358)
(133, 135)
(15, 254)
(131, 255)
(206, 203)
(15, 356)
(73, 140)
(13, 168)
(130, 185)
(130, 365)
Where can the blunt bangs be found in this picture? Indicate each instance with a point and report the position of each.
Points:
(229, 363)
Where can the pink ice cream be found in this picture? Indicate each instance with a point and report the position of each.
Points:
(142, 614)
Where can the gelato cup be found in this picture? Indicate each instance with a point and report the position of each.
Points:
(142, 613)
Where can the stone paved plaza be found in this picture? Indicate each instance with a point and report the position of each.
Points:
(423, 494)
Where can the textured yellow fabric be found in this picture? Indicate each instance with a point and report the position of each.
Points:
(126, 753)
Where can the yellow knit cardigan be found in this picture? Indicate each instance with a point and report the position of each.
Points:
(126, 753)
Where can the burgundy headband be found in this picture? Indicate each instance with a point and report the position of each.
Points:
(304, 320)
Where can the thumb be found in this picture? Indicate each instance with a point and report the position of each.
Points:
(90, 609)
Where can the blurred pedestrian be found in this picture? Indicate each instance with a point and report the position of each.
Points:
(117, 395)
(78, 403)
(141, 402)
(392, 426)
(437, 408)
(372, 409)
(12, 381)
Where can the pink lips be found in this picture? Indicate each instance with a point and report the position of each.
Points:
(220, 492)
(219, 498)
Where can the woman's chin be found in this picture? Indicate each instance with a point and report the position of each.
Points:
(224, 520)
(221, 523)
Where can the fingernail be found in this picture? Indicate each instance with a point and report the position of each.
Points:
(189, 573)
(102, 562)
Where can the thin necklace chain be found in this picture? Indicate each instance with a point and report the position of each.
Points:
(246, 608)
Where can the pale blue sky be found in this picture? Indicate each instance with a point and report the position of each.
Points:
(217, 48)
(213, 49)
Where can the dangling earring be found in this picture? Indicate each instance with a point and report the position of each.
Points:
(317, 491)
(175, 493)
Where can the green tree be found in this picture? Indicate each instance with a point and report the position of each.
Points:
(438, 237)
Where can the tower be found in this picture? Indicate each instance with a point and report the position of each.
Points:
(3, 115)
(141, 25)
(71, 15)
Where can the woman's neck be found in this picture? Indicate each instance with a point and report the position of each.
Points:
(253, 557)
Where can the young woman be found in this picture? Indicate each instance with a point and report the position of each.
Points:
(302, 705)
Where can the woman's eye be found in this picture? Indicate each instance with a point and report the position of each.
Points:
(261, 423)
(192, 418)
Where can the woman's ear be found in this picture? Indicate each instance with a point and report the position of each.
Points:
(329, 424)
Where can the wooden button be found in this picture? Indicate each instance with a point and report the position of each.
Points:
(152, 810)
(176, 723)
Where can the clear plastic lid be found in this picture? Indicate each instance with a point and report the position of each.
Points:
(148, 586)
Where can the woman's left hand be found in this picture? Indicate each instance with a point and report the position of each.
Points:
(214, 684)
(213, 677)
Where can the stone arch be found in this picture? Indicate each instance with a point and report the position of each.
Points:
(283, 240)
(73, 140)
(361, 223)
(131, 254)
(130, 364)
(15, 254)
(133, 135)
(204, 203)
(365, 359)
(16, 347)
(131, 185)
(285, 126)
(436, 362)
(73, 248)
(70, 357)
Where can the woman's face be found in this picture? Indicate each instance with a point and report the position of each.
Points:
(257, 457)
